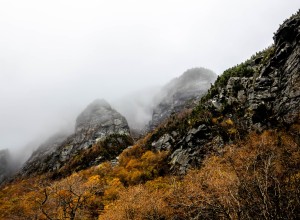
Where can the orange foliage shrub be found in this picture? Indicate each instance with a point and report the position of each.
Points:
(138, 202)
(138, 167)
(258, 178)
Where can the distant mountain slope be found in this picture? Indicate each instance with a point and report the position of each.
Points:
(145, 109)
(97, 124)
(181, 92)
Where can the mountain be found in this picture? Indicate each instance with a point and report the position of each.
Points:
(147, 108)
(259, 94)
(97, 125)
(182, 92)
(191, 121)
(231, 152)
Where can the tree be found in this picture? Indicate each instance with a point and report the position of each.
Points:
(70, 198)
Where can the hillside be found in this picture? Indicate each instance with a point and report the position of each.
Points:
(235, 154)
(259, 94)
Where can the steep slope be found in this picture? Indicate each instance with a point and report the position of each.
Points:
(97, 124)
(262, 93)
(180, 93)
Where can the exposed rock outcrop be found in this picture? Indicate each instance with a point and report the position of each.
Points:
(182, 92)
(262, 93)
(98, 123)
(271, 96)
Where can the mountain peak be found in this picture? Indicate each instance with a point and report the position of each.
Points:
(182, 92)
(97, 123)
(99, 112)
(99, 103)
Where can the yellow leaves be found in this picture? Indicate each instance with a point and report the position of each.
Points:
(63, 193)
(94, 178)
(295, 178)
(232, 131)
(135, 151)
(214, 120)
(113, 189)
(93, 181)
(159, 183)
(217, 185)
(116, 183)
(229, 122)
(138, 202)
(218, 173)
(136, 176)
(137, 166)
(132, 164)
(224, 122)
(148, 156)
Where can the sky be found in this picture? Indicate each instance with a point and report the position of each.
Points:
(58, 56)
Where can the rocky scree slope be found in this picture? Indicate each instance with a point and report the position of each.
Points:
(182, 92)
(101, 133)
(261, 93)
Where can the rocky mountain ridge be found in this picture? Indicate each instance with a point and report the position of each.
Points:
(182, 92)
(96, 124)
(99, 122)
(262, 93)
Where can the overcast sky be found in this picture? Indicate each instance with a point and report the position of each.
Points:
(57, 56)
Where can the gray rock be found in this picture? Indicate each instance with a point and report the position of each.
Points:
(218, 106)
(180, 160)
(274, 94)
(268, 99)
(165, 142)
(97, 122)
(182, 92)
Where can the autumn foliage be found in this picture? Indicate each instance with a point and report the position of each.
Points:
(257, 178)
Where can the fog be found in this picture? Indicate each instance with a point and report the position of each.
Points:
(58, 56)
(138, 106)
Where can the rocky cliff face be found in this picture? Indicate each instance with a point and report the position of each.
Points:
(98, 123)
(271, 96)
(262, 93)
(182, 92)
